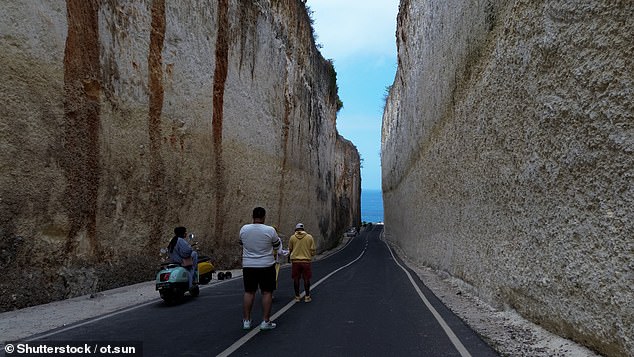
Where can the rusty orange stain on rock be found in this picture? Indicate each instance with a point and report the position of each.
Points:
(220, 77)
(82, 88)
(157, 167)
(285, 136)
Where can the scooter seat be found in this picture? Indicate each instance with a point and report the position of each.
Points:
(169, 265)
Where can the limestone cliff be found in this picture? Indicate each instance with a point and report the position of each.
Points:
(123, 119)
(508, 157)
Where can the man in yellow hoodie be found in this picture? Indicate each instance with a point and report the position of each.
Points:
(302, 248)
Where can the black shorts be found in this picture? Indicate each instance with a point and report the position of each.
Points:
(264, 278)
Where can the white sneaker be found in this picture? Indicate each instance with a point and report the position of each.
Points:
(267, 325)
(246, 324)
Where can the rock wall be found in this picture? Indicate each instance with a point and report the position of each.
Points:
(124, 119)
(508, 157)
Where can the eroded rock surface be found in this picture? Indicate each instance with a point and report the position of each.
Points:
(507, 157)
(123, 119)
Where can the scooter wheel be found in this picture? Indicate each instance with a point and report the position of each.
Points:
(171, 297)
(221, 276)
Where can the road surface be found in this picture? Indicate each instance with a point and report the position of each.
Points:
(365, 303)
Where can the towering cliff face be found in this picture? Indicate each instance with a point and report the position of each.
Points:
(507, 156)
(122, 120)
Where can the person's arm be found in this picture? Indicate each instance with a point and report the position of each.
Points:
(277, 243)
(184, 248)
(313, 250)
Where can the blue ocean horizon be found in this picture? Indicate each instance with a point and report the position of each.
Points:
(371, 206)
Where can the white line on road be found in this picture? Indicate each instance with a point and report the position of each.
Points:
(74, 326)
(105, 316)
(452, 336)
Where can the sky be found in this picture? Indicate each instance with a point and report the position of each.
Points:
(360, 37)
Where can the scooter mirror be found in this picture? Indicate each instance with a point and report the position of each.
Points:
(191, 236)
(163, 250)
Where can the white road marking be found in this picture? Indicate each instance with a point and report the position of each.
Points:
(74, 326)
(452, 336)
(110, 314)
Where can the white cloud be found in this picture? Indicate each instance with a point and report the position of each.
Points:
(351, 27)
(359, 35)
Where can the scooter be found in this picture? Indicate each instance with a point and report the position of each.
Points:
(172, 280)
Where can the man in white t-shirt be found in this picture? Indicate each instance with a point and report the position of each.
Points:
(259, 242)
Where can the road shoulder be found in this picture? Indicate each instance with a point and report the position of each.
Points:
(504, 330)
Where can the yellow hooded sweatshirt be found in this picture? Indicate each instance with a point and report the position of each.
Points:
(302, 247)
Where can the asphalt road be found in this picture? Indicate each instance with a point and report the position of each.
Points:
(365, 303)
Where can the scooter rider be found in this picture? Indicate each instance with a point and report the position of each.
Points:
(179, 250)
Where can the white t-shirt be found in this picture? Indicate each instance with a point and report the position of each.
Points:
(257, 242)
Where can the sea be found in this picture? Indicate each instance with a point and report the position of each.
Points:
(371, 206)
